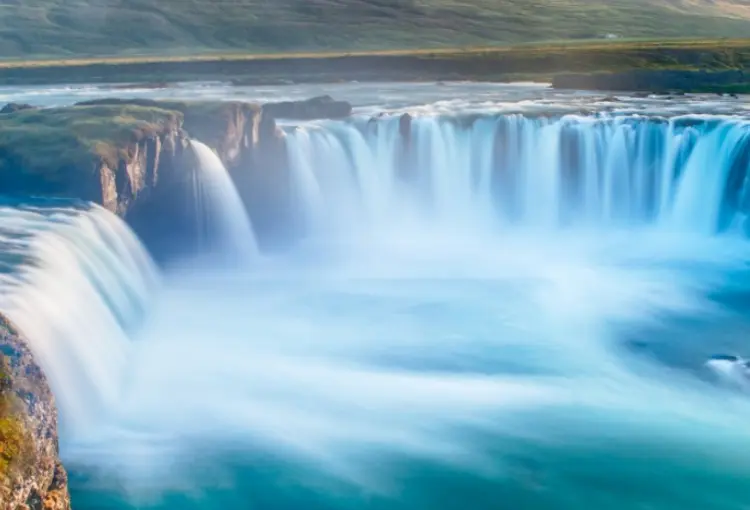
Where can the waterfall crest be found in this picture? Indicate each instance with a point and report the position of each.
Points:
(227, 221)
(75, 281)
(686, 173)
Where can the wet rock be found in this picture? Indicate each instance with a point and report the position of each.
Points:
(17, 107)
(404, 127)
(31, 475)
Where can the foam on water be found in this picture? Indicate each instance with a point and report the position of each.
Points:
(495, 361)
(76, 281)
(452, 331)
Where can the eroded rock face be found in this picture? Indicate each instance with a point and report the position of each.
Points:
(138, 170)
(262, 177)
(31, 475)
(137, 163)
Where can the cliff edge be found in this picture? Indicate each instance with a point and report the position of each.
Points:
(31, 475)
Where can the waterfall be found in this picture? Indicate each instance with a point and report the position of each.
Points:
(685, 173)
(75, 281)
(484, 368)
(227, 220)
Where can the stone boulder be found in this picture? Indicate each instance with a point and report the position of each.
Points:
(31, 475)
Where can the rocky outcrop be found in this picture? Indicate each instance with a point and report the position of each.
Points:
(229, 127)
(16, 107)
(105, 154)
(31, 475)
(322, 107)
(262, 177)
(132, 156)
(138, 168)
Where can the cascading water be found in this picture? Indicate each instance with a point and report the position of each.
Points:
(222, 208)
(75, 282)
(680, 173)
(517, 314)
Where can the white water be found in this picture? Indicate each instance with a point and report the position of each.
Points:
(74, 282)
(222, 207)
(539, 172)
(433, 344)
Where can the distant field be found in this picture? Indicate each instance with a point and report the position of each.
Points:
(530, 61)
(61, 29)
(714, 53)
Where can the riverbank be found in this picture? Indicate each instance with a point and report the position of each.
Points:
(545, 62)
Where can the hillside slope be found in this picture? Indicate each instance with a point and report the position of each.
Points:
(54, 28)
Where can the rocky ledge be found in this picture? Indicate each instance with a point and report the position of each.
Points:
(132, 157)
(31, 475)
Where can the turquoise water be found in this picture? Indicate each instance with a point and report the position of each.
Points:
(503, 311)
(563, 371)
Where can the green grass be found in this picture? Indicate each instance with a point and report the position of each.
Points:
(526, 61)
(55, 150)
(205, 120)
(80, 28)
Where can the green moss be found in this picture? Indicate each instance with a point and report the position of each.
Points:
(207, 121)
(53, 151)
(16, 447)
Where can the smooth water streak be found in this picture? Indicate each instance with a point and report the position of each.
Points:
(221, 209)
(78, 281)
(684, 173)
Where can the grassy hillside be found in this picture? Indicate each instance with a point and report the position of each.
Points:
(723, 61)
(59, 28)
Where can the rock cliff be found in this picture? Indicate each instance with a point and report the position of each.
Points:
(31, 475)
(106, 154)
(132, 156)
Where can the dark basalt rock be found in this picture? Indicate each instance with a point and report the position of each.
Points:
(404, 127)
(16, 107)
(322, 107)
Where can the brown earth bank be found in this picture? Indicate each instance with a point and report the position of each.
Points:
(529, 62)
